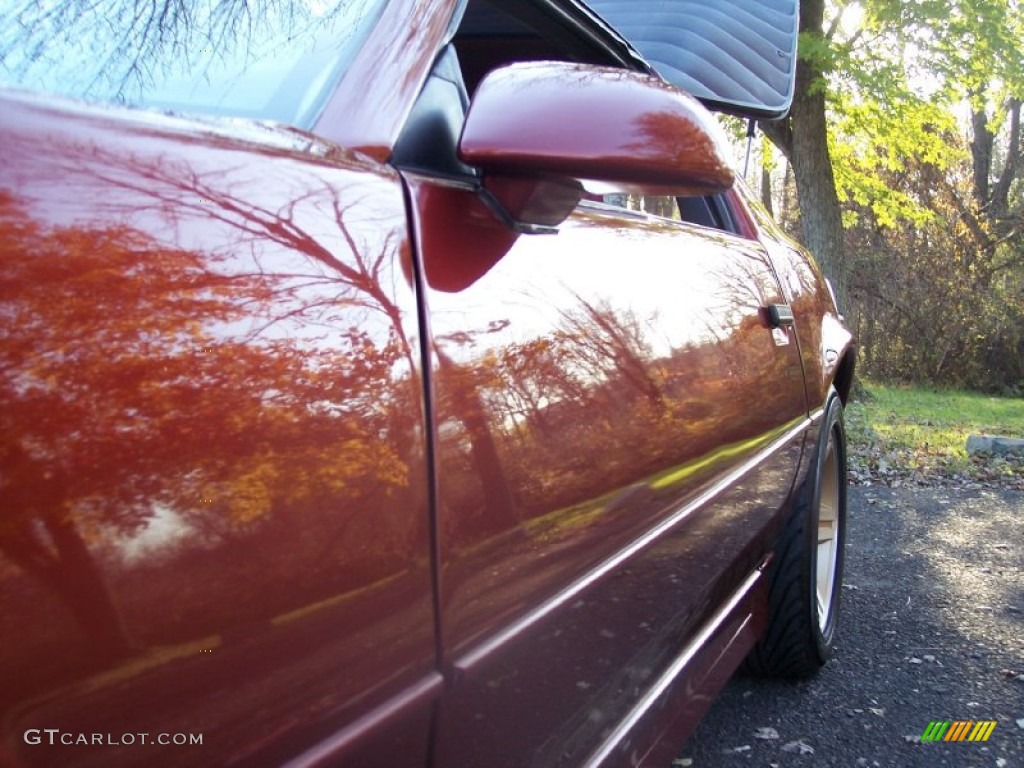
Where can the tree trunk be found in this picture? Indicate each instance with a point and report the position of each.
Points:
(500, 513)
(803, 138)
(766, 189)
(1001, 193)
(69, 570)
(981, 154)
(787, 199)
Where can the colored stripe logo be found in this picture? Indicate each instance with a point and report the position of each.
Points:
(958, 730)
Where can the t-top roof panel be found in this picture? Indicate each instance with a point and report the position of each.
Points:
(737, 56)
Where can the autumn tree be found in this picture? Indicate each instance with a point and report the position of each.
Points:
(804, 139)
(891, 90)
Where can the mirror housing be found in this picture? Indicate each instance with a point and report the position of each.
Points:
(554, 126)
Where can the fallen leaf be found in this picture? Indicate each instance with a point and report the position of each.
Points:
(799, 747)
(766, 733)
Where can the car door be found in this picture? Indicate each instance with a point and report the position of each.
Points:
(615, 431)
(214, 546)
(616, 428)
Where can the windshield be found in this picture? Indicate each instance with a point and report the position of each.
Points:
(271, 60)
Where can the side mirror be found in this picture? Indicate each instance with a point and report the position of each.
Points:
(541, 130)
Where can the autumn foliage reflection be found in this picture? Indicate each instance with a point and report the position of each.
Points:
(140, 382)
(591, 408)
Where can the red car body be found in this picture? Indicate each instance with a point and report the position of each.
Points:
(313, 454)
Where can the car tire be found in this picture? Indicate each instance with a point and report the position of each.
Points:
(806, 575)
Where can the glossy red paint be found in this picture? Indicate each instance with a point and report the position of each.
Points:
(553, 118)
(320, 458)
(371, 103)
(827, 346)
(589, 433)
(746, 224)
(672, 708)
(214, 474)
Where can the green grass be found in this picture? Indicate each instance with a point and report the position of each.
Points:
(920, 434)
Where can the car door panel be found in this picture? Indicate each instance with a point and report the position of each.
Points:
(214, 343)
(610, 450)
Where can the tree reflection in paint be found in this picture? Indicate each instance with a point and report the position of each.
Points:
(240, 392)
(591, 407)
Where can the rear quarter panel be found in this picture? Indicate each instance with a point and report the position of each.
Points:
(827, 347)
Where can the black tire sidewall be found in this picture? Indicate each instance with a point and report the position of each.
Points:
(834, 430)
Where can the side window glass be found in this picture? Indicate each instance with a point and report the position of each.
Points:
(708, 211)
(700, 211)
(656, 205)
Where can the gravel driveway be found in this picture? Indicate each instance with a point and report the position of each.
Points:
(931, 628)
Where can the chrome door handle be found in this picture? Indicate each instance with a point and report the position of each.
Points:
(779, 315)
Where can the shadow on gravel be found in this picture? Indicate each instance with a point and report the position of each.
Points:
(931, 628)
